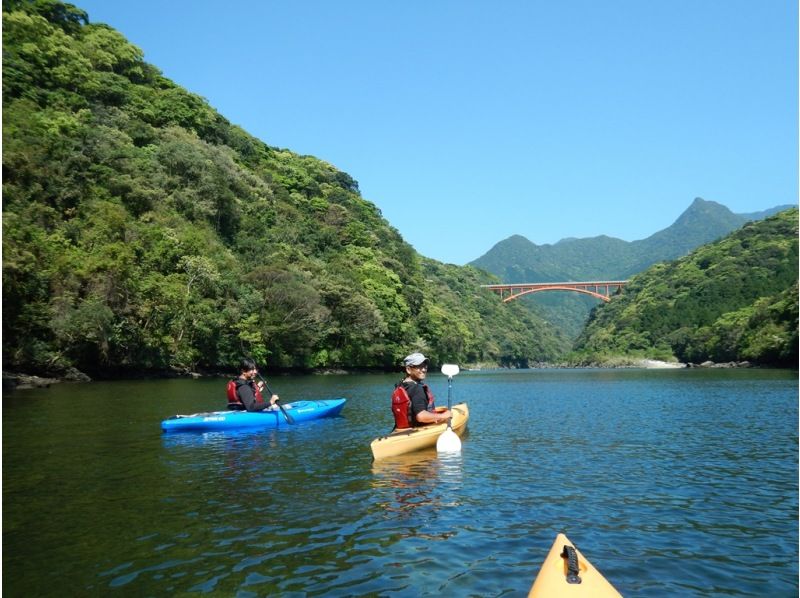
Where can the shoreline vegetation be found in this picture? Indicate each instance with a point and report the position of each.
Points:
(146, 236)
(23, 381)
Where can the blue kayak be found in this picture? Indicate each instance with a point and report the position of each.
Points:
(299, 411)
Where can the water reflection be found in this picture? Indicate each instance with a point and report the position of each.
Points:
(697, 471)
(424, 481)
(451, 466)
(216, 438)
(233, 469)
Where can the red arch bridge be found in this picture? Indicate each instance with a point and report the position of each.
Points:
(601, 289)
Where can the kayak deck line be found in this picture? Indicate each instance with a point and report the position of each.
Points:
(226, 411)
(228, 419)
(287, 406)
(566, 572)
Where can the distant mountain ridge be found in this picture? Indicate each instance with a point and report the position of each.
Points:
(516, 259)
(731, 300)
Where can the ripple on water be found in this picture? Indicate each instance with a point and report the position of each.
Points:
(672, 483)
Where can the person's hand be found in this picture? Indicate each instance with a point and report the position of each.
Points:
(260, 385)
(274, 399)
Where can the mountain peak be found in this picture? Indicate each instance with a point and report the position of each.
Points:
(704, 213)
(707, 206)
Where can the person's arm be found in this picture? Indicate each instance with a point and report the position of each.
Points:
(419, 408)
(248, 397)
(426, 417)
(272, 398)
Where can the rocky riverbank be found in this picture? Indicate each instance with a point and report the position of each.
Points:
(629, 362)
(19, 381)
(16, 381)
(726, 364)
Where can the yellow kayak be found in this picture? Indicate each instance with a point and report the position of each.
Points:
(401, 442)
(562, 570)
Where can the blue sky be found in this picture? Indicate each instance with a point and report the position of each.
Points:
(469, 121)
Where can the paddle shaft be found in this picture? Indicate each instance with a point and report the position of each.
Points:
(449, 402)
(288, 417)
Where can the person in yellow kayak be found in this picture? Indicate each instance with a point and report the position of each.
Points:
(412, 400)
(243, 392)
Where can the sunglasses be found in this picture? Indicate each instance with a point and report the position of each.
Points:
(422, 366)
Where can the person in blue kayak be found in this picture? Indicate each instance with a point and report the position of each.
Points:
(243, 392)
(412, 400)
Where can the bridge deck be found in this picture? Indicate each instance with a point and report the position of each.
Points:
(600, 289)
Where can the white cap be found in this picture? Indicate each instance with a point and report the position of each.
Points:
(414, 359)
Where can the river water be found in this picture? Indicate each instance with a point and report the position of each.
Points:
(672, 482)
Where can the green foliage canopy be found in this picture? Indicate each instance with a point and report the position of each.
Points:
(732, 300)
(142, 230)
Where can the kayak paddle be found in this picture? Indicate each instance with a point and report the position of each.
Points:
(288, 417)
(449, 442)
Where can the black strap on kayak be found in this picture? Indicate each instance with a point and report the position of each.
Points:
(572, 564)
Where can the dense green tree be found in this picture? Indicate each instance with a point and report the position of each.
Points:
(141, 230)
(732, 300)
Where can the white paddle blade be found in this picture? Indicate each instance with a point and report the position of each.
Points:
(450, 369)
(448, 442)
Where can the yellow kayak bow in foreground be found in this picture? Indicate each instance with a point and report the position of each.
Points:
(566, 572)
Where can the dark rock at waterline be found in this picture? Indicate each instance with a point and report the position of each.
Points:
(725, 365)
(23, 381)
(18, 381)
(73, 375)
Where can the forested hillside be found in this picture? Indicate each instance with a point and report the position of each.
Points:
(143, 231)
(733, 300)
(516, 259)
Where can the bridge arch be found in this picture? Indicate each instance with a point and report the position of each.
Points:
(574, 290)
(599, 289)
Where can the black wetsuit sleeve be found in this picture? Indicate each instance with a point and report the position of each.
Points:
(419, 400)
(248, 396)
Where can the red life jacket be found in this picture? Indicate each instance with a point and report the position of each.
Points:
(233, 396)
(401, 407)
